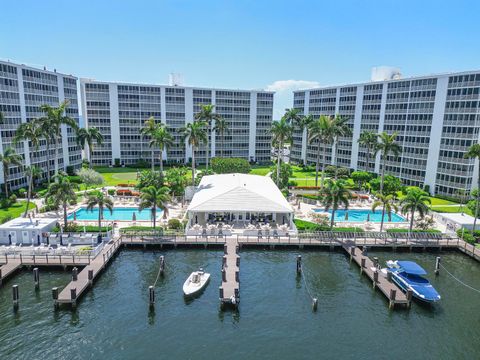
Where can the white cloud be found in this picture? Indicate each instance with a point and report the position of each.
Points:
(291, 85)
(284, 93)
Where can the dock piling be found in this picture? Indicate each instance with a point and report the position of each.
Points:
(90, 277)
(299, 264)
(224, 275)
(362, 264)
(225, 249)
(162, 264)
(314, 304)
(393, 295)
(437, 265)
(151, 296)
(75, 274)
(375, 278)
(36, 278)
(55, 297)
(16, 297)
(376, 262)
(73, 297)
(409, 297)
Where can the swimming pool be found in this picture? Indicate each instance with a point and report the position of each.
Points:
(359, 215)
(123, 213)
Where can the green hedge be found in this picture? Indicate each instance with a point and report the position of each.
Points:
(230, 165)
(79, 229)
(430, 231)
(140, 228)
(467, 235)
(303, 225)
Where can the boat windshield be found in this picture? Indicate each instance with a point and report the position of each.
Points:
(415, 278)
(195, 278)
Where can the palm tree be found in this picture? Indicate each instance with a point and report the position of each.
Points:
(415, 200)
(339, 128)
(9, 158)
(47, 134)
(292, 116)
(148, 129)
(86, 137)
(162, 139)
(194, 134)
(206, 116)
(62, 192)
(322, 131)
(281, 134)
(221, 126)
(55, 117)
(31, 131)
(388, 204)
(369, 139)
(387, 145)
(102, 201)
(304, 123)
(335, 195)
(31, 172)
(153, 198)
(473, 152)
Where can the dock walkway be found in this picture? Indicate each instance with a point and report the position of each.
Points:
(85, 278)
(392, 292)
(9, 268)
(230, 288)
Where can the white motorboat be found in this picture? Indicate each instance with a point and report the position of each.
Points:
(195, 282)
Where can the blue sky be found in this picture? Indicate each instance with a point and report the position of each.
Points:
(242, 44)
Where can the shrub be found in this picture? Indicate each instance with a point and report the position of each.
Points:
(12, 199)
(174, 224)
(126, 185)
(111, 192)
(467, 235)
(124, 192)
(176, 180)
(116, 162)
(286, 173)
(150, 178)
(230, 165)
(429, 231)
(90, 177)
(142, 164)
(22, 192)
(6, 218)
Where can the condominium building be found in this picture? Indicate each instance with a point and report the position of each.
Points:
(119, 111)
(436, 117)
(23, 90)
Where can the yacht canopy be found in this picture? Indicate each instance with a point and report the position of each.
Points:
(238, 193)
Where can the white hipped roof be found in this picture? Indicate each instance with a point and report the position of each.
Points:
(238, 193)
(463, 220)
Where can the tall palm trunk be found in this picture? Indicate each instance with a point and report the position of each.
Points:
(64, 215)
(48, 160)
(153, 159)
(29, 194)
(161, 161)
(411, 220)
(368, 159)
(100, 214)
(383, 215)
(317, 165)
(5, 180)
(208, 146)
(193, 166)
(221, 149)
(90, 154)
(306, 140)
(323, 166)
(280, 146)
(56, 155)
(154, 215)
(332, 219)
(384, 161)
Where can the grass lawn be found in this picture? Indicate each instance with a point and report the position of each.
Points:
(450, 209)
(301, 173)
(15, 210)
(115, 176)
(437, 201)
(260, 170)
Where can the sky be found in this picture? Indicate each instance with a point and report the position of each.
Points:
(243, 44)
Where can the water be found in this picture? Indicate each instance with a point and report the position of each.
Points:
(362, 215)
(117, 214)
(275, 320)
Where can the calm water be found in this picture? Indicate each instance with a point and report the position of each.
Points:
(363, 215)
(116, 214)
(275, 320)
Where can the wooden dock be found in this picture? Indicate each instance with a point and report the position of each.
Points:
(392, 292)
(85, 278)
(230, 288)
(9, 268)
